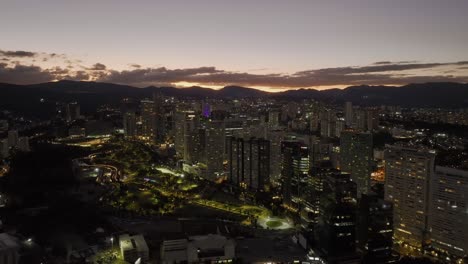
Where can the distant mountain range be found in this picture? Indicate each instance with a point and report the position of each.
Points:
(92, 94)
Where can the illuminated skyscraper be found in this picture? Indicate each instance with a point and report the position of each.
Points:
(294, 174)
(336, 228)
(190, 126)
(195, 146)
(206, 109)
(314, 186)
(179, 129)
(339, 126)
(375, 229)
(327, 123)
(314, 121)
(214, 149)
(360, 120)
(275, 137)
(408, 173)
(160, 116)
(148, 120)
(357, 153)
(129, 124)
(184, 123)
(249, 162)
(74, 111)
(372, 120)
(236, 160)
(273, 119)
(448, 219)
(348, 111)
(68, 111)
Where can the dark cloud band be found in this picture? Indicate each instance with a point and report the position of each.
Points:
(18, 53)
(378, 73)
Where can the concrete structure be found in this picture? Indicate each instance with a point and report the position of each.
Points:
(448, 219)
(249, 162)
(9, 248)
(360, 119)
(3, 125)
(23, 144)
(273, 119)
(311, 209)
(375, 229)
(76, 132)
(13, 138)
(206, 109)
(178, 127)
(160, 116)
(407, 184)
(148, 120)
(335, 233)
(174, 251)
(133, 248)
(214, 149)
(129, 124)
(4, 148)
(190, 125)
(372, 120)
(198, 249)
(73, 111)
(295, 172)
(275, 137)
(327, 123)
(348, 112)
(356, 158)
(340, 125)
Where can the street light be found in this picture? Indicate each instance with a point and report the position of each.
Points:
(112, 241)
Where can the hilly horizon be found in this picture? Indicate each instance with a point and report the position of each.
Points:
(92, 94)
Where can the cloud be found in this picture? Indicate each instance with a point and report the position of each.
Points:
(257, 70)
(23, 74)
(375, 74)
(14, 70)
(77, 76)
(378, 68)
(53, 56)
(156, 75)
(17, 53)
(98, 67)
(56, 71)
(382, 62)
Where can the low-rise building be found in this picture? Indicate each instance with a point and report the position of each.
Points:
(198, 249)
(133, 248)
(9, 248)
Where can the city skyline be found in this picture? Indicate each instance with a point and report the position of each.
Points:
(275, 46)
(210, 131)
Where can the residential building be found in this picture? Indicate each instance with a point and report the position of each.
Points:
(408, 173)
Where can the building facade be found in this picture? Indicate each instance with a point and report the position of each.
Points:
(356, 152)
(408, 173)
(249, 162)
(448, 221)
